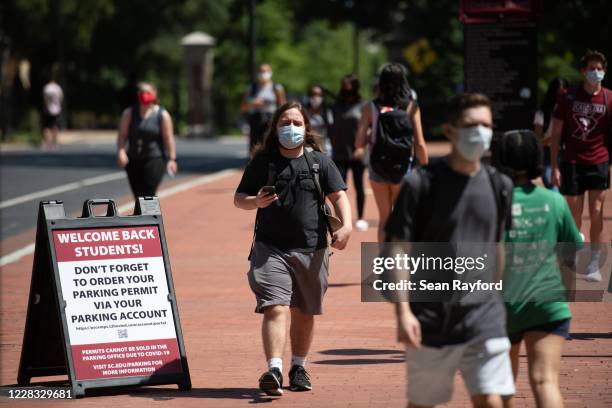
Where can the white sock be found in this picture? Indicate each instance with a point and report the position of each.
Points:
(593, 265)
(295, 360)
(275, 362)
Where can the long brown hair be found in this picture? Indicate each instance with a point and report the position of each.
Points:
(270, 143)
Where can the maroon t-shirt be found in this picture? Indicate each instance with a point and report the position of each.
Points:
(585, 125)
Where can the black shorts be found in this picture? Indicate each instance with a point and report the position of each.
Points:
(559, 327)
(578, 178)
(50, 121)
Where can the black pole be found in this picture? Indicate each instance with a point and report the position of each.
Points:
(252, 41)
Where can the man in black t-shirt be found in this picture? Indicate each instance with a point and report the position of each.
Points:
(456, 200)
(289, 258)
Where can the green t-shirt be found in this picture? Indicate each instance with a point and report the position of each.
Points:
(533, 287)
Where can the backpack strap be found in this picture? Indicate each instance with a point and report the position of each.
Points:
(313, 166)
(503, 200)
(269, 182)
(374, 124)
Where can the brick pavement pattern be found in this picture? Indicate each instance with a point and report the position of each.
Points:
(355, 361)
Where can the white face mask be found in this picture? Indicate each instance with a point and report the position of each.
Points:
(595, 76)
(264, 76)
(291, 136)
(316, 101)
(473, 141)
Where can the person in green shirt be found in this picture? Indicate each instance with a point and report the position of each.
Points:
(537, 311)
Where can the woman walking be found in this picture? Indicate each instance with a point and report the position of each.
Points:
(347, 113)
(537, 311)
(395, 94)
(147, 128)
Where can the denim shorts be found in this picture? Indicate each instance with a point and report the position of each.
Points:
(559, 327)
(373, 176)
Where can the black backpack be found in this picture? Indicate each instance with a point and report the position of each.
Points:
(393, 148)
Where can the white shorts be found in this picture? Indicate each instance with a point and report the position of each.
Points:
(484, 366)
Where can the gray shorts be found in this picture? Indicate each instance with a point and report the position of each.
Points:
(295, 279)
(484, 365)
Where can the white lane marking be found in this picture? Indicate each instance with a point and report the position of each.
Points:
(17, 255)
(209, 178)
(63, 188)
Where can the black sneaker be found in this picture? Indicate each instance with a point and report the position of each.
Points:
(271, 382)
(299, 380)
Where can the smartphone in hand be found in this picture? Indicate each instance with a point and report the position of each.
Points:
(269, 189)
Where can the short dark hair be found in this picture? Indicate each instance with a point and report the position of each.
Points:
(462, 102)
(518, 152)
(592, 55)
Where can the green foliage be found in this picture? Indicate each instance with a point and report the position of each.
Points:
(300, 55)
(92, 47)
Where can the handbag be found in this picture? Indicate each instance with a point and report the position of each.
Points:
(333, 223)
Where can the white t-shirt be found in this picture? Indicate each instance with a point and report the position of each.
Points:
(53, 96)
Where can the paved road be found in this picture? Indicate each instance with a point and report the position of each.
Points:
(27, 171)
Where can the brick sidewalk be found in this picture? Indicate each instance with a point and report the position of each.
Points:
(355, 361)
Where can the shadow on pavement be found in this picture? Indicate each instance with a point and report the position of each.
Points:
(590, 336)
(342, 285)
(361, 361)
(397, 356)
(195, 163)
(58, 384)
(161, 394)
(359, 352)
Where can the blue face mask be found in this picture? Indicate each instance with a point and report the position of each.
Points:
(473, 141)
(291, 136)
(594, 76)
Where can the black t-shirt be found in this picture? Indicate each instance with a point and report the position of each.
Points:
(459, 209)
(294, 222)
(344, 129)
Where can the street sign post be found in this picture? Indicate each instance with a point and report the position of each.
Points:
(500, 42)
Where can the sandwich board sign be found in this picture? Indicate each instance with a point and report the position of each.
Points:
(102, 306)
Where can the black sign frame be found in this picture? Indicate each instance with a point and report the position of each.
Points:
(46, 347)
